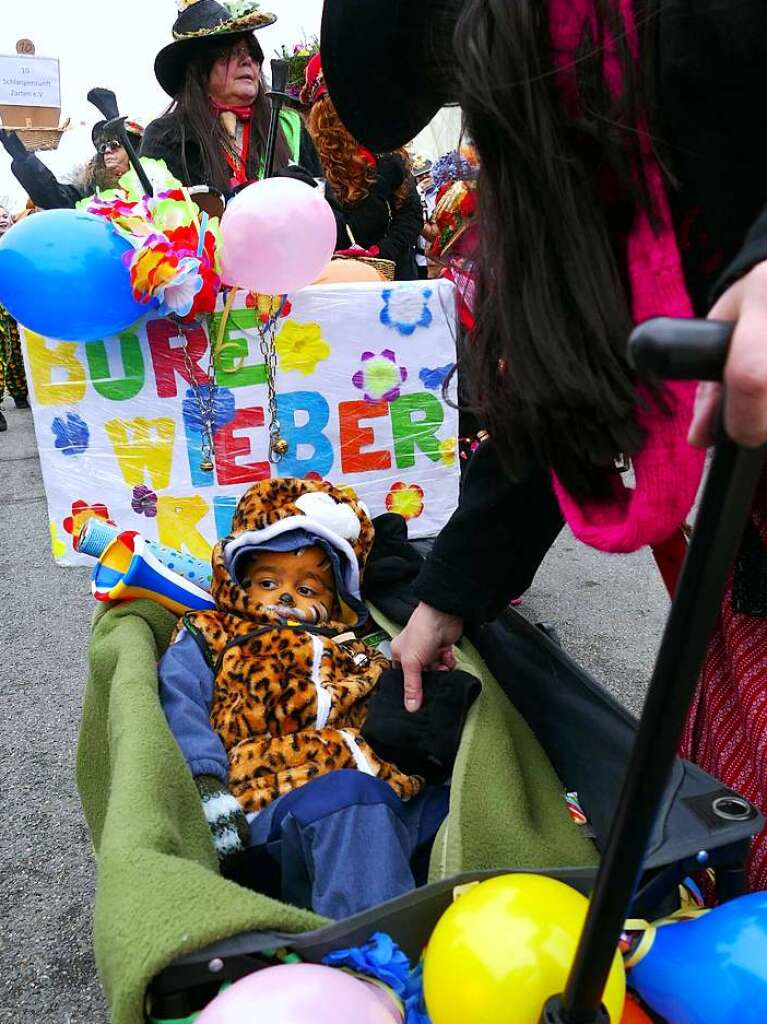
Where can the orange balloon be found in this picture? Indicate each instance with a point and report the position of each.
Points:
(633, 1012)
(348, 272)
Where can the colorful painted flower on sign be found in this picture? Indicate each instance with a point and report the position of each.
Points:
(380, 377)
(407, 500)
(58, 547)
(301, 347)
(434, 379)
(406, 308)
(224, 407)
(448, 451)
(144, 501)
(71, 433)
(81, 513)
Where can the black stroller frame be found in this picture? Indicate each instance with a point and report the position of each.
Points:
(656, 819)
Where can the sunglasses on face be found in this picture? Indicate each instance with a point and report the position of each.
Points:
(109, 147)
(238, 52)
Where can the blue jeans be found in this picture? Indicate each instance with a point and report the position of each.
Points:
(343, 843)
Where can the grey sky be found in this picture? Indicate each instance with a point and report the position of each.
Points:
(113, 43)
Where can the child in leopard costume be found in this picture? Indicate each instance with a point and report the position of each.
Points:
(268, 693)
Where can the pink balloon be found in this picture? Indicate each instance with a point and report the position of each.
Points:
(279, 235)
(301, 994)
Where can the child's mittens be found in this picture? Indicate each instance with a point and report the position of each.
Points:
(225, 817)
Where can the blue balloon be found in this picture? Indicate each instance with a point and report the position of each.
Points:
(709, 970)
(62, 274)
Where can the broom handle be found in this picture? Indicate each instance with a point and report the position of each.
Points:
(278, 96)
(675, 350)
(117, 125)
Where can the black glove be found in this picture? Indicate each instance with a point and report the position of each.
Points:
(425, 742)
(13, 144)
(225, 817)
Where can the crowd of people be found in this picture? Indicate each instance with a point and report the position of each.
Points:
(610, 178)
(214, 134)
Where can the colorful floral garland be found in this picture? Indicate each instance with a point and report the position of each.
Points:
(176, 258)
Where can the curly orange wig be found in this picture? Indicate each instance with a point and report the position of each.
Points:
(349, 172)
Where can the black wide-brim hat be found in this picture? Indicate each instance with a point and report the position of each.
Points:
(201, 21)
(389, 65)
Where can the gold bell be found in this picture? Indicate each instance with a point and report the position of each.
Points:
(206, 466)
(280, 446)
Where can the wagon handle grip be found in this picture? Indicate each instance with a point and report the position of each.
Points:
(681, 349)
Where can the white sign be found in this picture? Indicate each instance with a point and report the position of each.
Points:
(29, 82)
(359, 382)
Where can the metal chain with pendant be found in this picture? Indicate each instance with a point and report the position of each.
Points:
(278, 446)
(206, 405)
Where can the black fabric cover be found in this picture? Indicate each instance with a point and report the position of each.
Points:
(424, 742)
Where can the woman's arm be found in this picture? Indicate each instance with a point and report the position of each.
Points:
(743, 300)
(37, 180)
(404, 229)
(186, 694)
(494, 544)
(487, 554)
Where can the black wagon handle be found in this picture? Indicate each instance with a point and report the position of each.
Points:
(672, 349)
(681, 349)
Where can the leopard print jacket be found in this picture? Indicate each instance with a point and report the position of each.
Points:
(288, 701)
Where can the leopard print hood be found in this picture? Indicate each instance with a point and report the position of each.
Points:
(273, 508)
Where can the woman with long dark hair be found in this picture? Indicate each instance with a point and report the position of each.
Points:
(215, 131)
(377, 194)
(622, 176)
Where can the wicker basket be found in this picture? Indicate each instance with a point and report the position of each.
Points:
(37, 140)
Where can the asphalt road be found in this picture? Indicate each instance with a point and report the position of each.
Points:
(608, 612)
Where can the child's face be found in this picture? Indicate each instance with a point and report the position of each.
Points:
(292, 584)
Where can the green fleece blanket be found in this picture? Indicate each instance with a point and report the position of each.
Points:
(159, 894)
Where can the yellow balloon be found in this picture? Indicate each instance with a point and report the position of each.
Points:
(504, 948)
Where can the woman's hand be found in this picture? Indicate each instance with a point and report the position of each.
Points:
(425, 644)
(745, 303)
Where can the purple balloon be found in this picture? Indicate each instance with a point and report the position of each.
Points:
(301, 994)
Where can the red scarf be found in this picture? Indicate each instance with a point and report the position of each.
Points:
(237, 163)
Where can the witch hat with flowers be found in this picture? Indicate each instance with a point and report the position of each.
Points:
(202, 20)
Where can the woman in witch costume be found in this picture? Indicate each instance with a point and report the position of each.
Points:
(215, 131)
(622, 177)
(377, 195)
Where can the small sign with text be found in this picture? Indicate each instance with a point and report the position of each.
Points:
(29, 81)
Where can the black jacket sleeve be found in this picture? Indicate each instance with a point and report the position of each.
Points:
(40, 184)
(754, 251)
(405, 227)
(494, 544)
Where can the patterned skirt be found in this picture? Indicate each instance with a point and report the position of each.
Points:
(726, 730)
